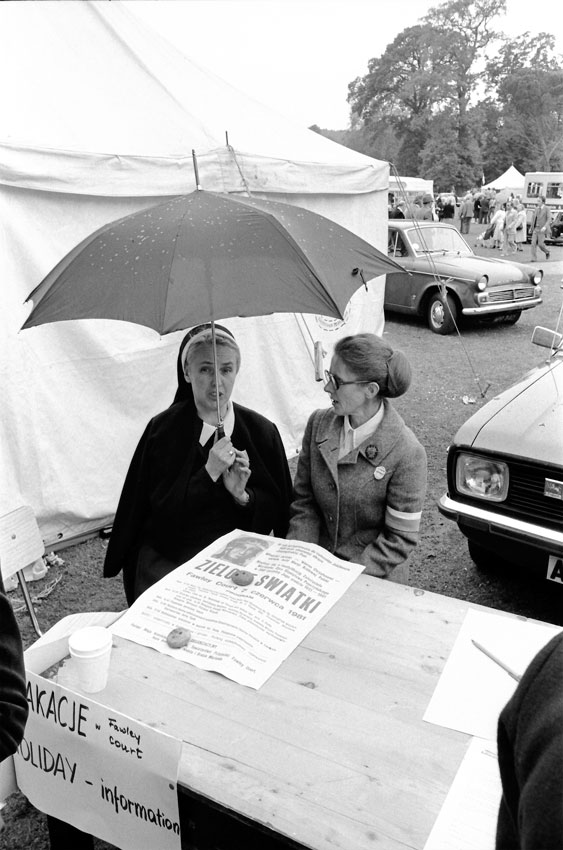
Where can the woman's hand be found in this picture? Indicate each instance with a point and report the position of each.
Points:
(222, 455)
(235, 478)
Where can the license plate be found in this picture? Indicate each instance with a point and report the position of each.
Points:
(555, 569)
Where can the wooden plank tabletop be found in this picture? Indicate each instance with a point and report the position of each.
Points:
(332, 751)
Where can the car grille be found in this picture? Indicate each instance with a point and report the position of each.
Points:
(526, 497)
(517, 294)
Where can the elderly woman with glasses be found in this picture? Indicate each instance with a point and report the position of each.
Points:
(361, 475)
(190, 482)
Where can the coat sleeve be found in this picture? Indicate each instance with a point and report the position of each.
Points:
(305, 518)
(530, 754)
(131, 514)
(403, 510)
(283, 480)
(13, 701)
(269, 485)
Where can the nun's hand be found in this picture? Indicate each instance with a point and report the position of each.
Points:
(236, 477)
(222, 455)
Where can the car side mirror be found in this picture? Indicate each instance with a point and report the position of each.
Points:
(547, 338)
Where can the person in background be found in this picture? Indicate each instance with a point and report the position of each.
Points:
(13, 699)
(187, 485)
(448, 208)
(510, 222)
(484, 210)
(530, 755)
(425, 213)
(361, 475)
(497, 224)
(521, 225)
(465, 213)
(540, 223)
(398, 211)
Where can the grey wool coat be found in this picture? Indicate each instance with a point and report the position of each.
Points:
(366, 507)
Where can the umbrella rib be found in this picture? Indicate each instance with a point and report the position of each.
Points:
(172, 257)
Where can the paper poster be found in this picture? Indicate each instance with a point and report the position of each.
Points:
(242, 630)
(101, 771)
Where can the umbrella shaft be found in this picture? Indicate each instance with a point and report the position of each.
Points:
(220, 429)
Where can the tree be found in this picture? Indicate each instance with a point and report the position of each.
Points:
(534, 114)
(524, 51)
(399, 91)
(427, 69)
(442, 160)
(526, 76)
(463, 34)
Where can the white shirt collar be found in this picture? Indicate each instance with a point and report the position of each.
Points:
(208, 430)
(353, 437)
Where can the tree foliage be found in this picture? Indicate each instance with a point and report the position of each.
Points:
(534, 111)
(453, 96)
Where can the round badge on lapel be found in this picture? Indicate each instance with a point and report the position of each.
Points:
(371, 452)
(379, 472)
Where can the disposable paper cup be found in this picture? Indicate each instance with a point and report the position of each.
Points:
(90, 649)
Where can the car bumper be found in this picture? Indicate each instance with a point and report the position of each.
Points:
(488, 522)
(505, 307)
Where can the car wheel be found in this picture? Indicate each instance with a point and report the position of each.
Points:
(441, 314)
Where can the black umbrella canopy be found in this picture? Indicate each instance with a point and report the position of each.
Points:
(206, 256)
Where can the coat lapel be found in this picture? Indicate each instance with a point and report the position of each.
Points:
(374, 448)
(328, 442)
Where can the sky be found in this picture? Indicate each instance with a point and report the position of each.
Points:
(298, 56)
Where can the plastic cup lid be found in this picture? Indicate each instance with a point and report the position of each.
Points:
(89, 639)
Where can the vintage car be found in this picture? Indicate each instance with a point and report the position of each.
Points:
(505, 472)
(445, 281)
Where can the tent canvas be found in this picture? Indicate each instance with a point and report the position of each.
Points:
(411, 186)
(511, 180)
(100, 118)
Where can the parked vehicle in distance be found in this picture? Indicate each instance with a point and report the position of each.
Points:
(505, 472)
(445, 281)
(548, 184)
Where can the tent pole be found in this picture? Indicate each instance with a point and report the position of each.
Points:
(196, 171)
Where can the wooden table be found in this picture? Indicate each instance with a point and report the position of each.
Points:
(332, 751)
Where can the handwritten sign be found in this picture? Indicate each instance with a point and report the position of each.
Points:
(247, 601)
(99, 770)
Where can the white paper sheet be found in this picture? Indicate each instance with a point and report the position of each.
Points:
(243, 632)
(472, 689)
(468, 818)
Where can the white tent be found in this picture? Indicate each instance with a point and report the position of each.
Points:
(410, 186)
(99, 119)
(511, 181)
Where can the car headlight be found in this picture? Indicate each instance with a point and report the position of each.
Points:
(482, 282)
(537, 277)
(481, 477)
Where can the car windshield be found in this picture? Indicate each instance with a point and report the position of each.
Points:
(437, 240)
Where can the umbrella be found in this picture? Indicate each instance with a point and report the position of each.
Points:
(206, 256)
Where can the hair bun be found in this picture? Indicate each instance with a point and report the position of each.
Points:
(399, 375)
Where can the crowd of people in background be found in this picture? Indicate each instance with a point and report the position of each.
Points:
(502, 214)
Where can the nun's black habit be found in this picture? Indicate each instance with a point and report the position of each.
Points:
(170, 509)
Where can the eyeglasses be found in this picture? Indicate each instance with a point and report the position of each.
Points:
(338, 382)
